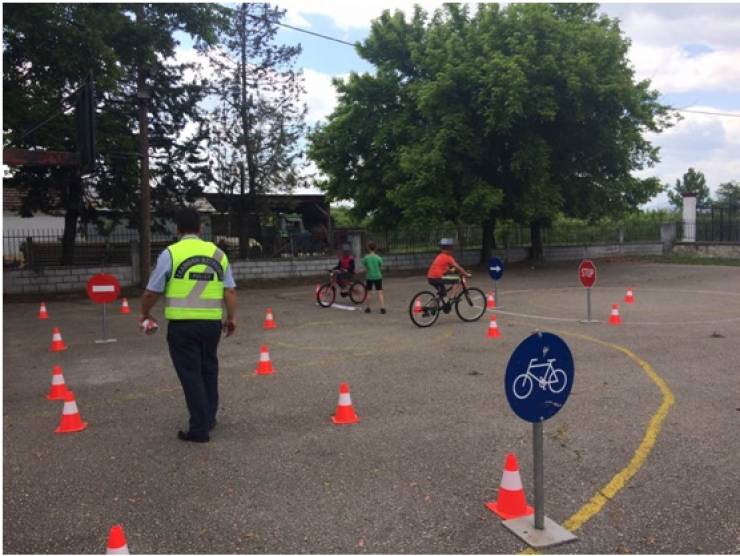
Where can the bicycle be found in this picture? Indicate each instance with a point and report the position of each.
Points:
(470, 304)
(327, 293)
(553, 379)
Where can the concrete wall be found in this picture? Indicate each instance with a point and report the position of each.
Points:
(75, 279)
(700, 249)
(59, 280)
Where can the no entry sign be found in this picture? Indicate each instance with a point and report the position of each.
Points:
(587, 273)
(103, 288)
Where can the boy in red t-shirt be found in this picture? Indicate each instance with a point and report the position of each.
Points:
(442, 264)
(346, 268)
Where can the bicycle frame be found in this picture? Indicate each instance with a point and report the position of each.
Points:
(544, 380)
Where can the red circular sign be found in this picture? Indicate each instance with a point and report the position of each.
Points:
(587, 273)
(103, 288)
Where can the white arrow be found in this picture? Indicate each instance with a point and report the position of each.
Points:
(496, 268)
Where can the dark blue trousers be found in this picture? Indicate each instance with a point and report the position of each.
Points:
(193, 349)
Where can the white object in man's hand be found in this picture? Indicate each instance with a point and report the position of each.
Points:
(149, 326)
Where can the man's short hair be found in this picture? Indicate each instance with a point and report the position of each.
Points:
(187, 220)
(371, 245)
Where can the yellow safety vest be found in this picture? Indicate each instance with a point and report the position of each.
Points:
(195, 291)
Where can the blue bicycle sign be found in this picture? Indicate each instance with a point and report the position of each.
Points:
(545, 361)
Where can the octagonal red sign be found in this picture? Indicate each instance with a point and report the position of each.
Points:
(587, 273)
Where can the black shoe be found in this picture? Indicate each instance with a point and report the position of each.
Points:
(382, 310)
(213, 425)
(189, 437)
(367, 309)
(447, 307)
(343, 294)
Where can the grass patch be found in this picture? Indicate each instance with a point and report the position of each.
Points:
(691, 259)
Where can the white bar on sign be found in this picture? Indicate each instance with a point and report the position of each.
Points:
(100, 289)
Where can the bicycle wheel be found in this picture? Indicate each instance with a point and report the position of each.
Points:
(470, 305)
(326, 295)
(357, 293)
(558, 380)
(424, 309)
(522, 388)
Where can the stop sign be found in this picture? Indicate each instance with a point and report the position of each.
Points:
(587, 273)
(103, 288)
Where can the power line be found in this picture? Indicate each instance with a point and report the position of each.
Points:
(708, 113)
(327, 37)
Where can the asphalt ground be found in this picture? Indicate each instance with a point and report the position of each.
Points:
(414, 474)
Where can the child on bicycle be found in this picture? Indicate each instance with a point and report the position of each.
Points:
(372, 263)
(345, 269)
(442, 264)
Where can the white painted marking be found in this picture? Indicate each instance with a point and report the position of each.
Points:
(101, 289)
(345, 307)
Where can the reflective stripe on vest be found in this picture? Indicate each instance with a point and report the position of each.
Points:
(195, 260)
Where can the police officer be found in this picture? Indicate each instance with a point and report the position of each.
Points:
(197, 281)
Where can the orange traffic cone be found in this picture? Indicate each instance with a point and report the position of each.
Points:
(345, 413)
(43, 314)
(629, 297)
(71, 420)
(124, 307)
(58, 387)
(511, 502)
(493, 331)
(417, 306)
(57, 344)
(116, 541)
(614, 318)
(269, 323)
(491, 301)
(264, 367)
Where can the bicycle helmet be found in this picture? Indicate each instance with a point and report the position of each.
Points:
(347, 249)
(446, 243)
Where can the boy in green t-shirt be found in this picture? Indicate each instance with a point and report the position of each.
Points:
(372, 264)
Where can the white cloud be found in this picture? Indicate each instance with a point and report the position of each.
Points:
(710, 144)
(672, 70)
(321, 97)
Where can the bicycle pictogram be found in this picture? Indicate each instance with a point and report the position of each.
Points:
(553, 379)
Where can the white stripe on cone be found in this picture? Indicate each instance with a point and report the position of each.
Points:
(56, 380)
(56, 337)
(511, 481)
(344, 399)
(70, 408)
(264, 356)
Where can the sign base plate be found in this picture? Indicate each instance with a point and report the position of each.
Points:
(107, 341)
(584, 321)
(553, 534)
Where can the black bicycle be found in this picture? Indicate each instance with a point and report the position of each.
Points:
(327, 293)
(470, 304)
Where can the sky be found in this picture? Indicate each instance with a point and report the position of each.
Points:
(690, 52)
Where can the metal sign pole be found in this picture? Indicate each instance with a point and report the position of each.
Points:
(539, 476)
(495, 292)
(588, 304)
(105, 330)
(105, 339)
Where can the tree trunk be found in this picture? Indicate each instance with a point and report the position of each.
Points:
(537, 252)
(71, 215)
(242, 212)
(145, 207)
(488, 243)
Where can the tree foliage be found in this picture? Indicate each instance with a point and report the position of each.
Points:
(728, 194)
(517, 112)
(693, 181)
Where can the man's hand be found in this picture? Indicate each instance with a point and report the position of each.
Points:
(230, 326)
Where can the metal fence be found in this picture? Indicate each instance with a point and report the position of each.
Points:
(43, 248)
(715, 224)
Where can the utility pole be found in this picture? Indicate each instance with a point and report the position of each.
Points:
(143, 94)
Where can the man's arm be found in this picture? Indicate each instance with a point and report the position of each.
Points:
(156, 285)
(230, 301)
(148, 299)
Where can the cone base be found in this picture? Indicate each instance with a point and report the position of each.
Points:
(81, 427)
(45, 317)
(55, 398)
(269, 326)
(630, 302)
(127, 312)
(615, 322)
(350, 421)
(53, 349)
(259, 372)
(494, 507)
(494, 335)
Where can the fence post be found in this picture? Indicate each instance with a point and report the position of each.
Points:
(621, 240)
(135, 259)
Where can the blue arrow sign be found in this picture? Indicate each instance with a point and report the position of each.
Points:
(495, 268)
(539, 377)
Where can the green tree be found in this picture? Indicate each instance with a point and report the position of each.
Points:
(728, 194)
(693, 182)
(260, 116)
(49, 49)
(517, 112)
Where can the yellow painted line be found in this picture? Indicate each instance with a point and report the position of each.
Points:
(620, 480)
